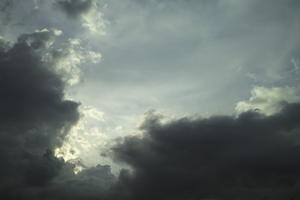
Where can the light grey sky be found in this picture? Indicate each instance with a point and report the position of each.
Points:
(178, 57)
(191, 56)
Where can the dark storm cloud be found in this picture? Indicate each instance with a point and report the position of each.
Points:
(32, 93)
(34, 119)
(90, 184)
(249, 157)
(75, 8)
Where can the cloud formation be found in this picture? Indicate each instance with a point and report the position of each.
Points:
(68, 60)
(87, 11)
(35, 118)
(251, 156)
(254, 155)
(269, 100)
(34, 115)
(75, 8)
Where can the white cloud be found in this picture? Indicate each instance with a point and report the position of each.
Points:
(87, 140)
(268, 100)
(69, 60)
(93, 113)
(93, 20)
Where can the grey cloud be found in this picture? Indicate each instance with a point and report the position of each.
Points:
(38, 40)
(35, 119)
(222, 157)
(182, 46)
(6, 4)
(75, 8)
(18, 17)
(34, 116)
(93, 183)
(32, 94)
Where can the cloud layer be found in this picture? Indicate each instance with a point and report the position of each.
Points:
(75, 8)
(35, 118)
(34, 115)
(251, 156)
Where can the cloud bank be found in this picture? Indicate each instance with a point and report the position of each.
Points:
(251, 156)
(254, 155)
(269, 100)
(35, 118)
(75, 8)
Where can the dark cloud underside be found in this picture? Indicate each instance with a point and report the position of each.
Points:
(248, 157)
(34, 116)
(34, 119)
(75, 8)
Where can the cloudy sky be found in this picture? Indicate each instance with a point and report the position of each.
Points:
(149, 99)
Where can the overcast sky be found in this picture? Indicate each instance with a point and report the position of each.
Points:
(121, 95)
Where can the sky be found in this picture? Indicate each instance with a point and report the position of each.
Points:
(149, 99)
